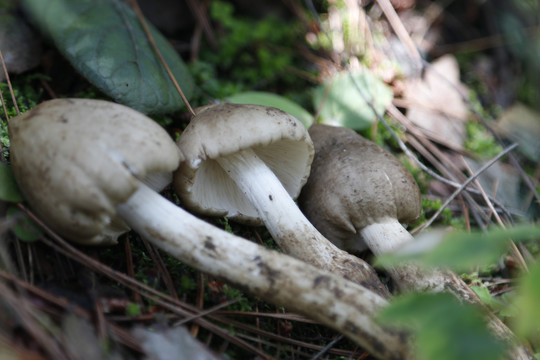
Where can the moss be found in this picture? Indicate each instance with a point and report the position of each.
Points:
(250, 54)
(480, 141)
(27, 95)
(430, 206)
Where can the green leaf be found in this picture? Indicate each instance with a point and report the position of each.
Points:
(502, 305)
(444, 328)
(133, 309)
(273, 100)
(484, 295)
(461, 250)
(104, 40)
(8, 187)
(24, 228)
(343, 99)
(528, 317)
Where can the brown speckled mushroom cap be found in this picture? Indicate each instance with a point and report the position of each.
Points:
(355, 183)
(278, 138)
(73, 170)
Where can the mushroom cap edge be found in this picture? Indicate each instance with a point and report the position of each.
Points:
(277, 137)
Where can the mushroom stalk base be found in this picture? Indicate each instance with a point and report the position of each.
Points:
(389, 235)
(272, 276)
(294, 234)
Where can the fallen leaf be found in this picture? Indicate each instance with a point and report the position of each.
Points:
(435, 103)
(521, 124)
(104, 40)
(502, 178)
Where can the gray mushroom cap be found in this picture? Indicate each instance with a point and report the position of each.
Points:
(355, 183)
(73, 170)
(278, 138)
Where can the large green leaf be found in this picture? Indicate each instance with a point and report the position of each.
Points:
(8, 188)
(528, 317)
(460, 250)
(273, 100)
(444, 328)
(344, 100)
(104, 40)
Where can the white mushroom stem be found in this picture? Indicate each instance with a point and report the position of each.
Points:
(294, 234)
(385, 236)
(275, 277)
(388, 235)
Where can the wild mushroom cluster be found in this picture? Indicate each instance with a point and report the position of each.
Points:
(92, 170)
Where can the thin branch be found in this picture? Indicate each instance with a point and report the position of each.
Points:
(327, 347)
(152, 42)
(516, 251)
(198, 10)
(206, 312)
(469, 180)
(484, 121)
(476, 214)
(484, 43)
(10, 88)
(316, 17)
(401, 32)
(30, 320)
(394, 112)
(161, 268)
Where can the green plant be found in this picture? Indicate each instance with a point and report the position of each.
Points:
(252, 52)
(430, 206)
(133, 309)
(461, 251)
(480, 141)
(210, 85)
(241, 303)
(445, 329)
(27, 96)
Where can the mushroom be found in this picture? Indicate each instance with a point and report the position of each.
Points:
(248, 162)
(83, 164)
(357, 195)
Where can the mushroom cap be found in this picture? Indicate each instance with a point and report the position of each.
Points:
(75, 160)
(355, 183)
(277, 137)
